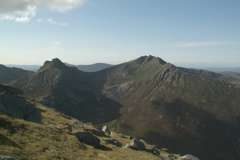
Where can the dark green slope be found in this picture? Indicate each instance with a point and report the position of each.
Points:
(8, 74)
(68, 90)
(185, 112)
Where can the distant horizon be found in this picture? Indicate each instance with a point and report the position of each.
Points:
(197, 65)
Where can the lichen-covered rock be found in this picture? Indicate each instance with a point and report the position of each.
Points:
(88, 138)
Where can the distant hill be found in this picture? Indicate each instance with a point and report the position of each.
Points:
(92, 67)
(231, 77)
(26, 67)
(187, 111)
(85, 68)
(8, 74)
(219, 70)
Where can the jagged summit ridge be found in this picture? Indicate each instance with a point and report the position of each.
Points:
(54, 63)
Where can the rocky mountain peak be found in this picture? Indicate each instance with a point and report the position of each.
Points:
(150, 58)
(55, 63)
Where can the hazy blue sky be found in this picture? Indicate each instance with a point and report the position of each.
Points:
(114, 31)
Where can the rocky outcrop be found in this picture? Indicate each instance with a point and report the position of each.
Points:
(136, 145)
(152, 150)
(112, 133)
(17, 106)
(188, 157)
(88, 138)
(96, 132)
(112, 141)
(105, 129)
(7, 158)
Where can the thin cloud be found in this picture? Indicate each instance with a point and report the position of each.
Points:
(51, 21)
(55, 44)
(22, 19)
(24, 11)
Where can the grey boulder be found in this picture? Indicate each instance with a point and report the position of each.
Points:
(88, 138)
(137, 145)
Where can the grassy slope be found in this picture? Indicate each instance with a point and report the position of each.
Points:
(26, 140)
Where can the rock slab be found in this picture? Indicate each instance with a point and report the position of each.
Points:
(88, 138)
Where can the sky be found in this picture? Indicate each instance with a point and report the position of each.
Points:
(186, 32)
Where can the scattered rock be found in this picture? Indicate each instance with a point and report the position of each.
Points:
(113, 133)
(166, 157)
(152, 150)
(129, 146)
(112, 141)
(105, 129)
(96, 132)
(88, 123)
(137, 145)
(50, 151)
(166, 150)
(78, 124)
(188, 157)
(88, 138)
(7, 158)
(124, 136)
(69, 128)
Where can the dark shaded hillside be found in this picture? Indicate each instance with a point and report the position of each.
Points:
(13, 104)
(68, 90)
(8, 74)
(188, 112)
(167, 106)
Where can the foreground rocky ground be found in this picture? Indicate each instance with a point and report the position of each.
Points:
(61, 137)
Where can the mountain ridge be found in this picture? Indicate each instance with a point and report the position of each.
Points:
(147, 98)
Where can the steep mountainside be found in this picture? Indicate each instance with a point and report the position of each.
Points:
(147, 98)
(8, 74)
(167, 106)
(68, 90)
